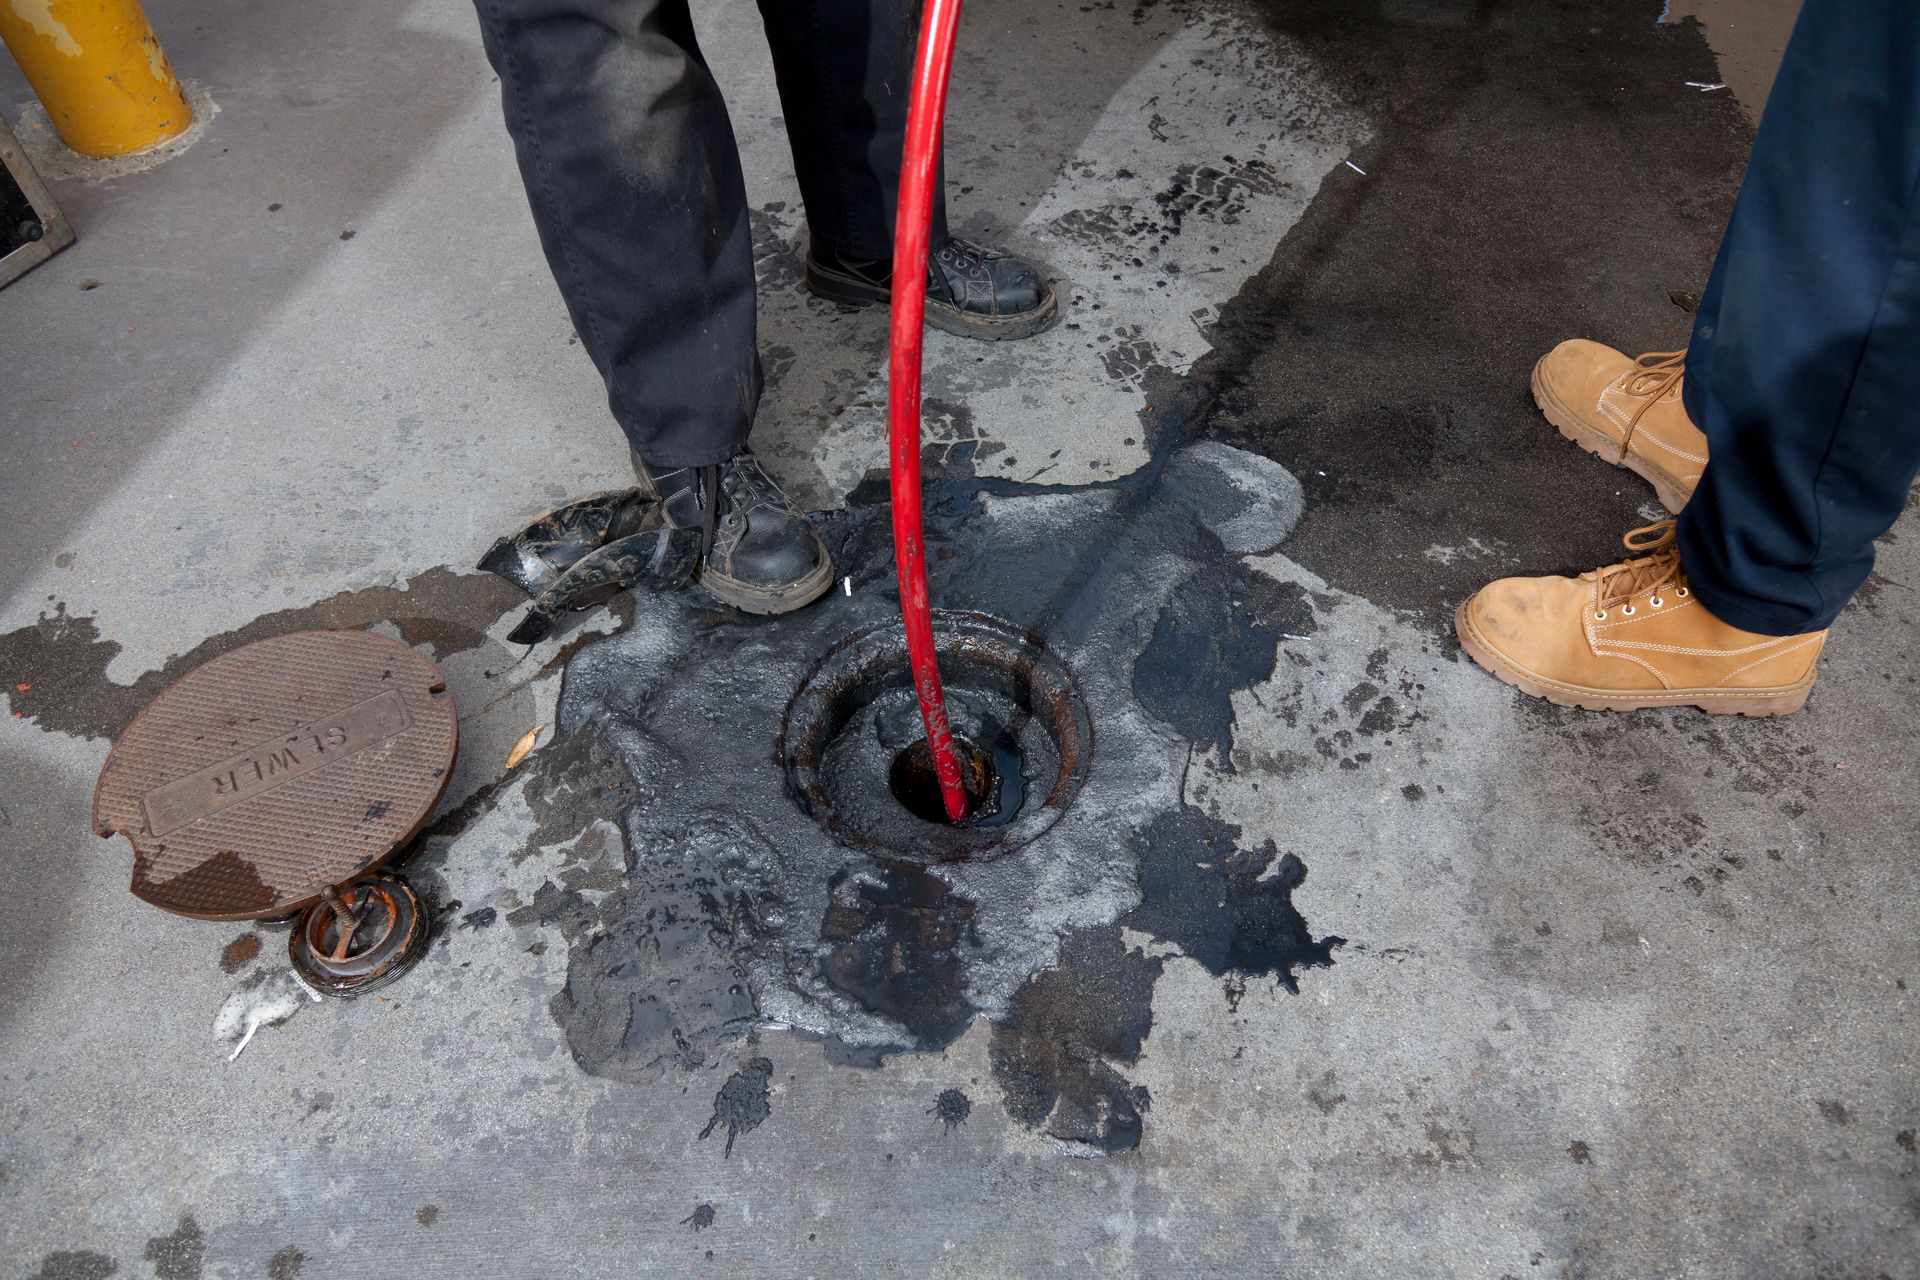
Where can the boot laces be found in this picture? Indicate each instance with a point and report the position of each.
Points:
(1652, 376)
(1654, 572)
(965, 254)
(726, 489)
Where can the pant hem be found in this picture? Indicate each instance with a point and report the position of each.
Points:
(1739, 613)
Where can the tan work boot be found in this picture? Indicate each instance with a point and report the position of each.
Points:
(1632, 636)
(1626, 410)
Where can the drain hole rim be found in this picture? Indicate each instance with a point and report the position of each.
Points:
(830, 696)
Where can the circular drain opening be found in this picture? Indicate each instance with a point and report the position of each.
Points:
(856, 756)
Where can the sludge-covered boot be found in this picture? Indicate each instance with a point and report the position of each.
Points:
(1627, 410)
(758, 552)
(1633, 636)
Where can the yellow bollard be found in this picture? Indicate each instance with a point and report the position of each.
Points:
(99, 72)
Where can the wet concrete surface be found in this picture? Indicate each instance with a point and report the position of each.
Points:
(1347, 961)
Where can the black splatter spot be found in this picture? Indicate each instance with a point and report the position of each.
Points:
(79, 1264)
(1905, 1139)
(952, 1106)
(700, 1219)
(180, 1255)
(1580, 1151)
(1321, 1093)
(427, 1215)
(479, 919)
(286, 1264)
(742, 1103)
(1834, 1112)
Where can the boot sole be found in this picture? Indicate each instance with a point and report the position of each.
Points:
(848, 291)
(766, 601)
(1718, 702)
(1603, 446)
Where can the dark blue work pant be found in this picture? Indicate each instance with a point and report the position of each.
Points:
(1804, 368)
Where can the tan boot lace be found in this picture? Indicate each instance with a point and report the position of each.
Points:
(1652, 376)
(1655, 572)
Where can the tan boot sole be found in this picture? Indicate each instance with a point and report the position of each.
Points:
(1600, 445)
(1719, 702)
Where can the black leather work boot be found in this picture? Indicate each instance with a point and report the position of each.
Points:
(759, 552)
(972, 291)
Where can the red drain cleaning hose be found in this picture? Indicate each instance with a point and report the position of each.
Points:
(911, 224)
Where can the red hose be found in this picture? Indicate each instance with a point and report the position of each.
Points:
(911, 229)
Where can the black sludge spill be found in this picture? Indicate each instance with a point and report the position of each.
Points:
(896, 941)
(721, 905)
(1189, 866)
(1054, 1051)
(1217, 634)
(179, 1255)
(1535, 175)
(741, 1105)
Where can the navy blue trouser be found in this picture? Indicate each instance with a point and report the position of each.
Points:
(1804, 368)
(635, 185)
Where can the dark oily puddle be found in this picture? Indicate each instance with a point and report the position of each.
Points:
(770, 873)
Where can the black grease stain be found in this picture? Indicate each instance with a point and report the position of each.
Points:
(1834, 1112)
(1218, 634)
(952, 1108)
(1580, 1152)
(897, 941)
(657, 968)
(180, 1255)
(76, 1264)
(478, 919)
(1905, 1139)
(286, 1264)
(427, 1215)
(1229, 908)
(741, 1105)
(55, 671)
(1055, 1053)
(700, 1219)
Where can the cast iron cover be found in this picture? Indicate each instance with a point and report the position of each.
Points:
(275, 771)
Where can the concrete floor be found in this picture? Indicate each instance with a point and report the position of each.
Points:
(1612, 997)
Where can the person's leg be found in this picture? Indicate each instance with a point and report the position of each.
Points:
(635, 185)
(844, 69)
(1804, 369)
(1802, 373)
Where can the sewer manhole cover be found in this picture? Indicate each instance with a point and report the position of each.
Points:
(279, 770)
